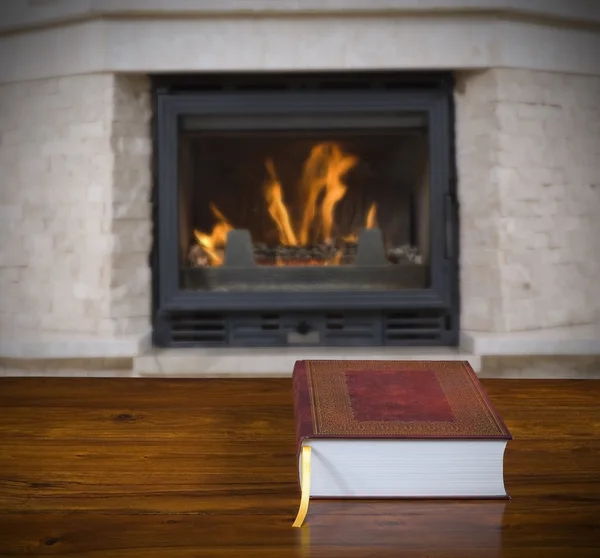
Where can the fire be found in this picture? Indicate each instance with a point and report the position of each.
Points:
(323, 171)
(214, 243)
(322, 189)
(371, 217)
(277, 209)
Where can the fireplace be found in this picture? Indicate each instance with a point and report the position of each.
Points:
(304, 210)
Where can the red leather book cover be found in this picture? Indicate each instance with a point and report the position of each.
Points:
(392, 399)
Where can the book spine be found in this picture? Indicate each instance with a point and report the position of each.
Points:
(302, 404)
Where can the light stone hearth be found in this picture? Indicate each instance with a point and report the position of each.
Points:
(76, 161)
(274, 362)
(559, 341)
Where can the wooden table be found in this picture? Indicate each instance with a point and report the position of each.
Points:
(187, 468)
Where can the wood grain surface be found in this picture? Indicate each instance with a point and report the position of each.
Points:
(187, 468)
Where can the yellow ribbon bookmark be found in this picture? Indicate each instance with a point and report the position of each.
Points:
(305, 457)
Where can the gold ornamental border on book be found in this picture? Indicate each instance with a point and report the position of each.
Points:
(332, 409)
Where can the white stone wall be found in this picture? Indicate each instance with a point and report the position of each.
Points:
(131, 226)
(476, 146)
(528, 150)
(70, 204)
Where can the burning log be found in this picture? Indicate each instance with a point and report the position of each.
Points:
(198, 257)
(405, 253)
(317, 254)
(339, 252)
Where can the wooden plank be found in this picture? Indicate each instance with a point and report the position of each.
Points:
(182, 468)
(187, 425)
(155, 393)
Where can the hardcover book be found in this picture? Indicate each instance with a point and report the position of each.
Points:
(396, 429)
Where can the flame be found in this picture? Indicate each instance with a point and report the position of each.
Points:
(218, 214)
(277, 209)
(371, 221)
(323, 171)
(214, 243)
(338, 165)
(312, 186)
(322, 188)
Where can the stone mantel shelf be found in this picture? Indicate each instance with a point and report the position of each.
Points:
(63, 38)
(22, 14)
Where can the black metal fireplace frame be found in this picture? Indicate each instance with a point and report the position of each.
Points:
(421, 316)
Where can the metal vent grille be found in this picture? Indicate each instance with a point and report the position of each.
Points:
(418, 327)
(295, 329)
(256, 330)
(305, 329)
(350, 329)
(195, 329)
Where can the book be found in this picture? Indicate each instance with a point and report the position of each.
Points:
(395, 429)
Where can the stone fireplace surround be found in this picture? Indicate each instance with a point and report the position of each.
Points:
(76, 160)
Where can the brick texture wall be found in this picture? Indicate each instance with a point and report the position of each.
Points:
(528, 150)
(74, 212)
(131, 227)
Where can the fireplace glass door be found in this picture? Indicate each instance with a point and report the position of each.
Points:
(304, 210)
(304, 202)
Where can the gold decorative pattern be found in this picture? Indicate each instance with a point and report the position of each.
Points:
(332, 409)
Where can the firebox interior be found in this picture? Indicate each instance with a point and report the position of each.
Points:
(304, 189)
